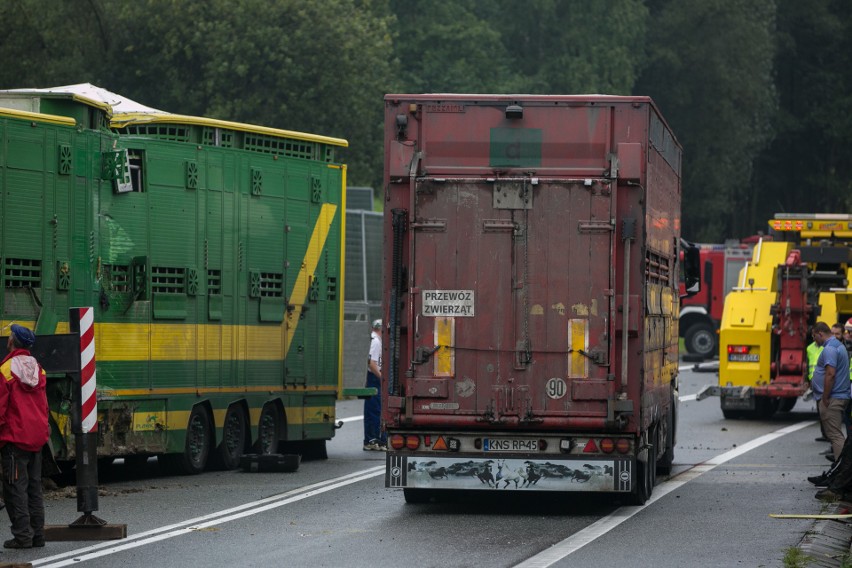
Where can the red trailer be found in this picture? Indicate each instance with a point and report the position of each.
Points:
(531, 277)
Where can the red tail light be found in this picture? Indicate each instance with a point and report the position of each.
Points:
(591, 447)
(607, 445)
(739, 349)
(622, 445)
(397, 441)
(412, 442)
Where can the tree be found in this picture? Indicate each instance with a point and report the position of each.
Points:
(319, 67)
(47, 44)
(711, 72)
(807, 169)
(444, 47)
(571, 46)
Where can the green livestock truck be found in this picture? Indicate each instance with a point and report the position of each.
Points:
(212, 253)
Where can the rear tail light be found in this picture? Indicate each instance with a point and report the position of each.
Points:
(607, 445)
(412, 442)
(739, 349)
(590, 447)
(622, 445)
(397, 441)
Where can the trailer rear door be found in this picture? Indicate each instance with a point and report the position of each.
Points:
(511, 299)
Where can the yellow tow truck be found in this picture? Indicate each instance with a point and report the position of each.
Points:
(800, 277)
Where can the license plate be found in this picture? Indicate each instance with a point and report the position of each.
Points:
(509, 445)
(744, 357)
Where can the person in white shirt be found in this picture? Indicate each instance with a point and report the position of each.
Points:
(374, 438)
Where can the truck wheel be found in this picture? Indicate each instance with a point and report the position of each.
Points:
(765, 407)
(646, 472)
(700, 339)
(664, 464)
(197, 446)
(233, 438)
(268, 430)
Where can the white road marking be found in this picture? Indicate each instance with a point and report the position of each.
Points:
(352, 419)
(599, 528)
(96, 551)
(541, 560)
(687, 397)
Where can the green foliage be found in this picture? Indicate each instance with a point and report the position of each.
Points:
(445, 47)
(51, 42)
(319, 67)
(710, 71)
(807, 168)
(572, 46)
(757, 91)
(795, 558)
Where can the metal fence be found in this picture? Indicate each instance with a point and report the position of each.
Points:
(363, 291)
(363, 264)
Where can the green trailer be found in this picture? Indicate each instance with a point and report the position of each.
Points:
(212, 252)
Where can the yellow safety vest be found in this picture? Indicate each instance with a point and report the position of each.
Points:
(813, 351)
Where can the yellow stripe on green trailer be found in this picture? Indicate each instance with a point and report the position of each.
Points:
(307, 270)
(131, 119)
(38, 116)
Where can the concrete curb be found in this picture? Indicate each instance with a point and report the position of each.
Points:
(828, 541)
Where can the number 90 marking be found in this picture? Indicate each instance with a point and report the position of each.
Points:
(555, 388)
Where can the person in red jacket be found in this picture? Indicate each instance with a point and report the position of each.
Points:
(24, 430)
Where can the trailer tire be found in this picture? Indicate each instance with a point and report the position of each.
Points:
(664, 464)
(233, 443)
(646, 472)
(700, 339)
(268, 430)
(193, 460)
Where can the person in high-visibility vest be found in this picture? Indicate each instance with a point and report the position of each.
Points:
(813, 350)
(813, 354)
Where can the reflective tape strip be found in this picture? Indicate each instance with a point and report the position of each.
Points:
(88, 376)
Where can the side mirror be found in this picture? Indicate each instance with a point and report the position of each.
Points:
(690, 281)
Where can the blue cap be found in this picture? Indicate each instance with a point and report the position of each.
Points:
(23, 336)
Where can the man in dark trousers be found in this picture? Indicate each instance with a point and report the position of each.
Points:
(24, 431)
(374, 438)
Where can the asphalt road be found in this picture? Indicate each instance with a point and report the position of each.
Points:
(712, 511)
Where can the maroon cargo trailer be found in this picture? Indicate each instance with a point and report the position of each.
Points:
(531, 278)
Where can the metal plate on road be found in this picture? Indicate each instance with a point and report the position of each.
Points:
(509, 445)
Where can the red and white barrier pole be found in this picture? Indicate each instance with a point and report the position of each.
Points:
(82, 322)
(88, 376)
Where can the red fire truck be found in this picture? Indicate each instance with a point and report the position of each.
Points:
(701, 314)
(532, 295)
